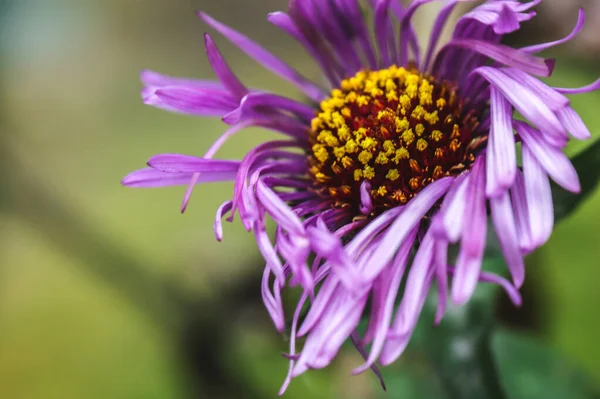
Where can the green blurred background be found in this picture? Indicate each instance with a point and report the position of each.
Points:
(107, 292)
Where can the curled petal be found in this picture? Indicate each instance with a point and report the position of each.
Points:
(506, 55)
(150, 177)
(366, 204)
(580, 90)
(544, 46)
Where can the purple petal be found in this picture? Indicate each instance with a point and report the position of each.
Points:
(382, 23)
(222, 70)
(279, 210)
(470, 256)
(190, 100)
(386, 310)
(451, 216)
(487, 277)
(544, 46)
(573, 123)
(319, 306)
(505, 55)
(272, 300)
(501, 154)
(527, 103)
(325, 60)
(416, 287)
(157, 80)
(155, 178)
(408, 219)
(293, 331)
(552, 159)
(366, 205)
(218, 224)
(389, 294)
(557, 102)
(265, 58)
(407, 33)
(438, 26)
(335, 326)
(507, 21)
(330, 247)
(539, 198)
(212, 150)
(580, 90)
(355, 339)
(440, 260)
(266, 102)
(178, 163)
(506, 231)
(521, 213)
(269, 253)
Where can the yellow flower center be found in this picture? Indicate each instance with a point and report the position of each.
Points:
(396, 128)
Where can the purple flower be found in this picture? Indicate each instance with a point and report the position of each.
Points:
(403, 155)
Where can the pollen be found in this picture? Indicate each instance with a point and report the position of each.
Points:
(401, 153)
(392, 174)
(397, 128)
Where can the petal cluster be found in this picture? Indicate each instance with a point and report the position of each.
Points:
(350, 266)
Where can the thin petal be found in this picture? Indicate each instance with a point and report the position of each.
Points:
(151, 178)
(539, 198)
(278, 209)
(579, 90)
(573, 123)
(218, 224)
(506, 231)
(366, 204)
(155, 79)
(470, 256)
(552, 159)
(178, 163)
(527, 103)
(265, 58)
(544, 46)
(408, 219)
(450, 219)
(521, 213)
(190, 100)
(229, 80)
(397, 269)
(265, 103)
(505, 55)
(501, 154)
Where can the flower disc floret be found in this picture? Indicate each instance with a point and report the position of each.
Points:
(396, 128)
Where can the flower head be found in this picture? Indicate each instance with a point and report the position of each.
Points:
(375, 176)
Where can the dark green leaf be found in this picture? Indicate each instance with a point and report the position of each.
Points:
(529, 370)
(412, 377)
(458, 351)
(587, 164)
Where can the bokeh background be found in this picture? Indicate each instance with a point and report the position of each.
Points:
(107, 292)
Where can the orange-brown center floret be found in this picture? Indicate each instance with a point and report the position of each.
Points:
(396, 128)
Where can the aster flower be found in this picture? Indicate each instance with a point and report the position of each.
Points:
(399, 157)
